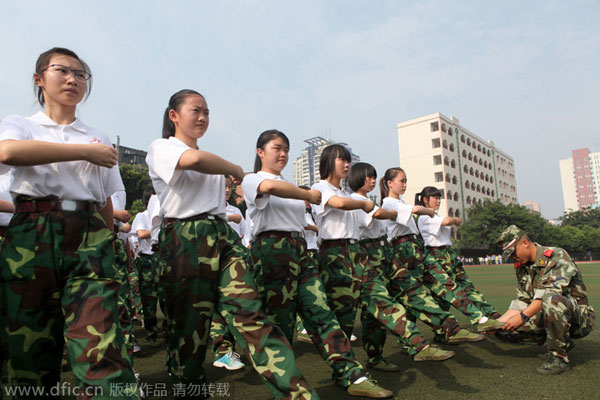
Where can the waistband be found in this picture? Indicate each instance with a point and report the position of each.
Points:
(367, 243)
(52, 203)
(401, 239)
(437, 247)
(192, 218)
(279, 235)
(328, 243)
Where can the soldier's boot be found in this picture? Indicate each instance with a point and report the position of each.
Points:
(553, 365)
(433, 353)
(465, 336)
(369, 388)
(490, 325)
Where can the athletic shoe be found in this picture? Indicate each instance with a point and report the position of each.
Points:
(384, 366)
(490, 325)
(303, 337)
(553, 365)
(136, 346)
(231, 361)
(369, 388)
(433, 353)
(465, 336)
(353, 338)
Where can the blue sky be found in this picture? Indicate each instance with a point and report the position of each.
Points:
(523, 74)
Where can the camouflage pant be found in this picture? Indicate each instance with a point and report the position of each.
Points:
(161, 271)
(147, 271)
(350, 281)
(207, 270)
(408, 291)
(124, 307)
(560, 320)
(59, 283)
(448, 260)
(134, 291)
(222, 340)
(289, 283)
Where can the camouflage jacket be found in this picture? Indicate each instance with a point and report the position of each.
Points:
(553, 271)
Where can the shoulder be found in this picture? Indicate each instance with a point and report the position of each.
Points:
(16, 123)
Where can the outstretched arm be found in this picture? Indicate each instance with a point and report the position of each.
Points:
(346, 203)
(25, 153)
(209, 163)
(288, 191)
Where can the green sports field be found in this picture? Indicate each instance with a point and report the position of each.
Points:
(484, 370)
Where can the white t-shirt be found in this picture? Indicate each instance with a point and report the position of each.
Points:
(142, 222)
(404, 223)
(155, 215)
(72, 180)
(240, 228)
(5, 195)
(183, 193)
(369, 227)
(434, 234)
(334, 223)
(268, 212)
(310, 236)
(118, 201)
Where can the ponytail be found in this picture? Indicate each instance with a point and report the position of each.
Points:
(175, 103)
(383, 189)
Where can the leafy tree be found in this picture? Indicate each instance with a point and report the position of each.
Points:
(136, 180)
(487, 221)
(136, 207)
(581, 218)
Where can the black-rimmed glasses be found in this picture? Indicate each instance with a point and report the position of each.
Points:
(64, 71)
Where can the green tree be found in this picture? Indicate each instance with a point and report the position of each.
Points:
(136, 180)
(487, 221)
(586, 217)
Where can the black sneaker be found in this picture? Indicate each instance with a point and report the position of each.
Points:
(553, 365)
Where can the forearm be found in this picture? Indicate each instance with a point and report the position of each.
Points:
(143, 234)
(34, 152)
(385, 214)
(345, 203)
(311, 228)
(208, 163)
(420, 210)
(6, 206)
(533, 308)
(282, 189)
(107, 214)
(449, 221)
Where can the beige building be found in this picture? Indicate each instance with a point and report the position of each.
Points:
(580, 177)
(437, 151)
(306, 166)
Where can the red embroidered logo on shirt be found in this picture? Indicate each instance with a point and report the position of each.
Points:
(94, 140)
(517, 264)
(548, 252)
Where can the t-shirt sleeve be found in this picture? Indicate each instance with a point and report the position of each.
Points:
(163, 158)
(250, 188)
(326, 194)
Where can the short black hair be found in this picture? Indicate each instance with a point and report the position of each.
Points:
(148, 192)
(426, 193)
(358, 173)
(328, 157)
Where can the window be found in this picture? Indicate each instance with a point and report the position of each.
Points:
(435, 126)
(435, 143)
(453, 164)
(449, 195)
(446, 161)
(478, 147)
(451, 147)
(450, 212)
(443, 127)
(448, 179)
(464, 153)
(454, 179)
(439, 177)
(466, 169)
(467, 185)
(437, 160)
(455, 196)
(445, 144)
(475, 158)
(457, 213)
(468, 141)
(469, 200)
(470, 157)
(471, 171)
(462, 138)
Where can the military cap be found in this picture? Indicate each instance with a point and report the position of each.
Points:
(508, 240)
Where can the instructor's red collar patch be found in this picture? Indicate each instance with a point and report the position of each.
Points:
(548, 252)
(517, 264)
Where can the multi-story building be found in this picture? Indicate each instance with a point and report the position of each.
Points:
(306, 166)
(437, 151)
(580, 177)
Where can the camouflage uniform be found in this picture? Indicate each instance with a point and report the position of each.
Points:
(447, 292)
(448, 260)
(407, 290)
(207, 270)
(290, 284)
(59, 283)
(124, 307)
(222, 340)
(146, 270)
(566, 313)
(350, 280)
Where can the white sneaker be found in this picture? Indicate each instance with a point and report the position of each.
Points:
(231, 361)
(353, 338)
